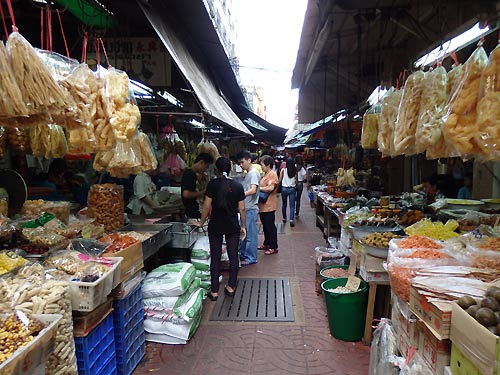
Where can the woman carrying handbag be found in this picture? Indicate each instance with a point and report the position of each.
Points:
(268, 204)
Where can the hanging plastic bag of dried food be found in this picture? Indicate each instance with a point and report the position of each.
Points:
(369, 132)
(124, 161)
(11, 98)
(124, 116)
(455, 76)
(58, 146)
(3, 137)
(41, 93)
(384, 352)
(432, 105)
(145, 150)
(441, 148)
(406, 123)
(386, 121)
(460, 126)
(102, 160)
(488, 108)
(39, 139)
(19, 140)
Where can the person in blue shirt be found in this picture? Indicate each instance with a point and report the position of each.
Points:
(465, 192)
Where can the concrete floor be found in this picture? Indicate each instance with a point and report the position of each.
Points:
(302, 347)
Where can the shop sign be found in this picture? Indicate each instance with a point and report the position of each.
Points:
(144, 59)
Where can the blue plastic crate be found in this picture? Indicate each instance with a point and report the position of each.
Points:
(95, 352)
(109, 368)
(125, 305)
(127, 341)
(127, 366)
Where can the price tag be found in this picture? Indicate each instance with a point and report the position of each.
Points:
(352, 268)
(353, 283)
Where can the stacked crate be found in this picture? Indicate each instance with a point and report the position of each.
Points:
(95, 353)
(128, 321)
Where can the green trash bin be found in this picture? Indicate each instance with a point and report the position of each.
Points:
(346, 311)
(324, 278)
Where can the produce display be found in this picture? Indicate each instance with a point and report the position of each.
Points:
(436, 230)
(379, 239)
(32, 293)
(34, 208)
(117, 241)
(10, 261)
(106, 205)
(78, 267)
(411, 217)
(485, 311)
(335, 273)
(418, 242)
(138, 236)
(15, 333)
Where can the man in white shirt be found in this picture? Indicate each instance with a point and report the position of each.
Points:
(251, 183)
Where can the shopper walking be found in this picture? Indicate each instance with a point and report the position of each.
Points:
(268, 204)
(223, 200)
(288, 180)
(248, 249)
(301, 178)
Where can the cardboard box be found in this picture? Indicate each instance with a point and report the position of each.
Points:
(132, 260)
(435, 352)
(371, 277)
(403, 344)
(475, 342)
(404, 321)
(460, 364)
(436, 315)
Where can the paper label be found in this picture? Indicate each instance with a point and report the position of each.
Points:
(353, 283)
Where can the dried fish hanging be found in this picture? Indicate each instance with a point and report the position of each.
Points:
(40, 91)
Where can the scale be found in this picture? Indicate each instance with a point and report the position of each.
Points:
(16, 188)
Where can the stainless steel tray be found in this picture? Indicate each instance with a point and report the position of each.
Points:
(161, 236)
(183, 235)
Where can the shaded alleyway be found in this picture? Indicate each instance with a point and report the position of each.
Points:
(302, 347)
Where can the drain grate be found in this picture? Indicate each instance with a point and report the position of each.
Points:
(280, 228)
(258, 300)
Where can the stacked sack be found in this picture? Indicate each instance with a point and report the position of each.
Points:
(172, 301)
(200, 258)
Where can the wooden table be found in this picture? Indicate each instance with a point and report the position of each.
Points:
(372, 294)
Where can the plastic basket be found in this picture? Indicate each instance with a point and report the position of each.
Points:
(87, 296)
(128, 320)
(95, 353)
(132, 300)
(26, 359)
(83, 323)
(127, 341)
(128, 366)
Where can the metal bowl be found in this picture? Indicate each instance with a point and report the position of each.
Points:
(378, 252)
(361, 231)
(464, 204)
